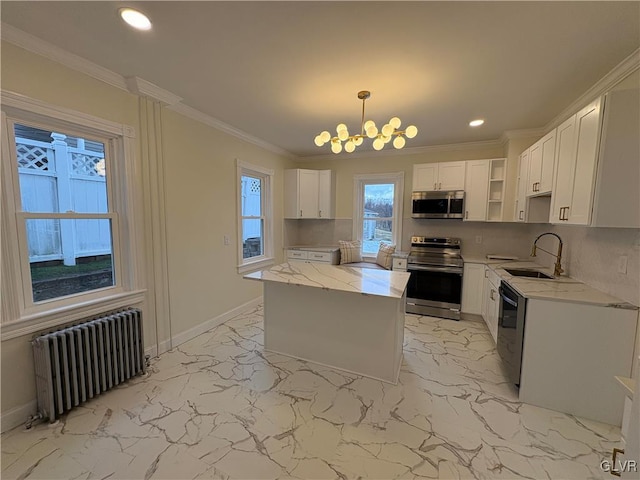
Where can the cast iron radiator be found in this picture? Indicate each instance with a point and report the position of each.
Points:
(76, 363)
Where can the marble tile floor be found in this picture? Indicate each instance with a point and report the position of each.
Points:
(220, 407)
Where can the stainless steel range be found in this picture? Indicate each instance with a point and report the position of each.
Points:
(435, 286)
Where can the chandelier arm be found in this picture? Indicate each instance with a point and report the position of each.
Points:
(362, 121)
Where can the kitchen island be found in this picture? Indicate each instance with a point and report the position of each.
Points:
(347, 318)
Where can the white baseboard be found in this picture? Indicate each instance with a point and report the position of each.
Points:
(19, 415)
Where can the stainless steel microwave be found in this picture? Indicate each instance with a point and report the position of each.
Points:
(437, 204)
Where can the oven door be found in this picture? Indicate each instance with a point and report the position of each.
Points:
(434, 290)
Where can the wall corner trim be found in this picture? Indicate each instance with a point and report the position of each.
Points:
(141, 87)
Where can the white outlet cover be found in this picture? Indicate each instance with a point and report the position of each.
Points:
(622, 264)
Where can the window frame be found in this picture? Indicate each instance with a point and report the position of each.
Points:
(20, 313)
(359, 182)
(266, 199)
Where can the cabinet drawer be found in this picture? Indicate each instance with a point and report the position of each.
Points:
(297, 254)
(399, 264)
(319, 256)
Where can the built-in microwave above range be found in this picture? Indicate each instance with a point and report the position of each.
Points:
(437, 204)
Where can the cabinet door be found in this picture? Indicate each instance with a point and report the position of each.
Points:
(451, 175)
(587, 132)
(472, 287)
(535, 168)
(425, 177)
(325, 194)
(548, 147)
(485, 296)
(494, 297)
(308, 191)
(521, 194)
(564, 171)
(476, 190)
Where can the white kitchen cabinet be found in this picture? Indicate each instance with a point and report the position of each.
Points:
(445, 176)
(571, 354)
(476, 190)
(521, 193)
(596, 177)
(313, 255)
(491, 303)
(309, 193)
(564, 171)
(541, 162)
(472, 288)
(497, 184)
(399, 264)
(630, 443)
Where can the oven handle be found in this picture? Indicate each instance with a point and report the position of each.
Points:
(434, 269)
(507, 299)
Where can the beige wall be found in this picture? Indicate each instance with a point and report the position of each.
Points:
(200, 165)
(200, 207)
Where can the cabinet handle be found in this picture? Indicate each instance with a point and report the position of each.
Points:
(320, 213)
(440, 186)
(486, 274)
(521, 215)
(435, 186)
(566, 217)
(561, 216)
(466, 214)
(491, 294)
(613, 471)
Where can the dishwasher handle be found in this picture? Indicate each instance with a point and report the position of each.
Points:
(504, 297)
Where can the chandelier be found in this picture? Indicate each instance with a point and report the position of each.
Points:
(367, 129)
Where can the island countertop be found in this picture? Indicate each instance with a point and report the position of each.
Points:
(343, 278)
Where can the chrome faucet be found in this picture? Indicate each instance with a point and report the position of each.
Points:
(557, 270)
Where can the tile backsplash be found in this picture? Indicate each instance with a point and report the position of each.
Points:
(590, 255)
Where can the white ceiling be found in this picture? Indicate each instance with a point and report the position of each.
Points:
(284, 71)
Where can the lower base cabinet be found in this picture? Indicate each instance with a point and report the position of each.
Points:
(571, 354)
(491, 302)
(472, 288)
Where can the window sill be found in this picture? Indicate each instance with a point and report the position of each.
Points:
(256, 265)
(57, 317)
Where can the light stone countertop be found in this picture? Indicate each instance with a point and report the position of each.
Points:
(400, 254)
(365, 281)
(563, 288)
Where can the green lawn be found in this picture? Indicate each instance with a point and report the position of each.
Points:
(58, 271)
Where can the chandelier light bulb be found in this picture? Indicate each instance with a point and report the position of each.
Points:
(349, 147)
(318, 141)
(368, 124)
(386, 139)
(411, 131)
(343, 134)
(325, 137)
(340, 127)
(395, 122)
(378, 144)
(336, 147)
(358, 141)
(372, 131)
(387, 130)
(398, 142)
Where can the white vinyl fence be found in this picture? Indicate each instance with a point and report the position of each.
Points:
(56, 177)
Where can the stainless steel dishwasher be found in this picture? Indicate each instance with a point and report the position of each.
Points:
(511, 324)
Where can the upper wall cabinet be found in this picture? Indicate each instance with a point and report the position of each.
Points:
(541, 162)
(484, 190)
(521, 188)
(309, 194)
(445, 176)
(598, 164)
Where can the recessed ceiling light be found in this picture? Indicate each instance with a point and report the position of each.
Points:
(476, 123)
(135, 18)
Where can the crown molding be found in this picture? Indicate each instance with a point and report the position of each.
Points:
(523, 133)
(141, 87)
(198, 116)
(135, 85)
(620, 71)
(406, 151)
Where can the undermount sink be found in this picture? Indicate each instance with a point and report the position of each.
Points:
(518, 272)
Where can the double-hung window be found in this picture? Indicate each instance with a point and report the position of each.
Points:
(65, 197)
(377, 213)
(255, 222)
